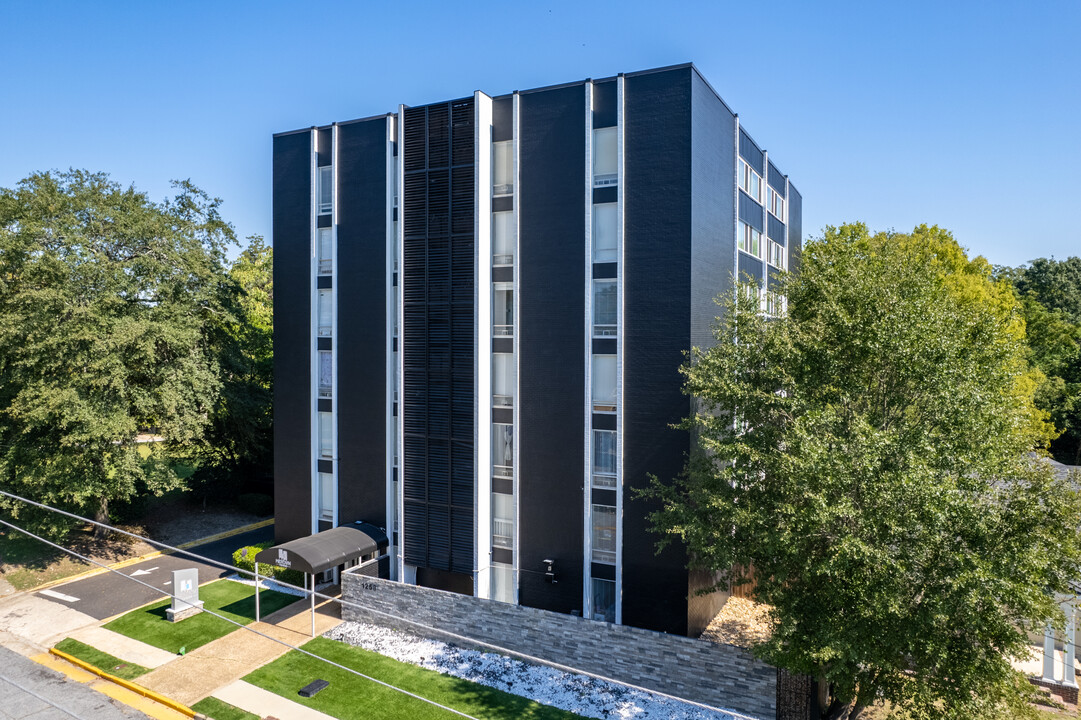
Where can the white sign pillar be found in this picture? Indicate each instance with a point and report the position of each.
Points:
(1049, 653)
(1068, 674)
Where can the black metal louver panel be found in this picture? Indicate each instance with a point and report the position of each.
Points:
(437, 342)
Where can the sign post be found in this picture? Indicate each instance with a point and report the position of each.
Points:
(186, 600)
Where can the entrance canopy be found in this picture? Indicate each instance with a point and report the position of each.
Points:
(325, 550)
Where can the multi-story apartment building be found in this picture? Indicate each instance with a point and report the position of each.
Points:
(481, 309)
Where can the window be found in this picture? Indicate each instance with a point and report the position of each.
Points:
(603, 600)
(395, 244)
(604, 534)
(326, 313)
(503, 582)
(749, 181)
(604, 383)
(776, 204)
(503, 309)
(326, 373)
(604, 458)
(605, 157)
(748, 239)
(326, 496)
(502, 450)
(502, 520)
(504, 379)
(503, 167)
(604, 232)
(326, 251)
(775, 303)
(326, 190)
(776, 255)
(394, 443)
(326, 435)
(605, 308)
(503, 238)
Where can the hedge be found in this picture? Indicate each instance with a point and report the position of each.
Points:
(244, 558)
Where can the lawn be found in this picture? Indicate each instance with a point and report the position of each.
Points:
(215, 709)
(353, 698)
(102, 661)
(233, 600)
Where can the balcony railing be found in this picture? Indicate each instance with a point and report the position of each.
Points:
(604, 556)
(324, 391)
(503, 330)
(326, 267)
(502, 259)
(502, 400)
(503, 471)
(502, 533)
(605, 330)
(604, 406)
(603, 480)
(606, 180)
(507, 189)
(325, 331)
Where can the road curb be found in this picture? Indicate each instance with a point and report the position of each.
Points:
(126, 684)
(150, 555)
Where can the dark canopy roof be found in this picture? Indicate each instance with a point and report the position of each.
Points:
(322, 551)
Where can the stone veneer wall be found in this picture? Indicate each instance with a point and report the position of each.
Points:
(720, 675)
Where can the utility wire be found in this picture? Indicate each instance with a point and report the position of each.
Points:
(239, 625)
(465, 639)
(45, 700)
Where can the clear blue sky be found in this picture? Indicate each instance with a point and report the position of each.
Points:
(964, 114)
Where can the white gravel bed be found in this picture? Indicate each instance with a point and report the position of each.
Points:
(579, 694)
(265, 584)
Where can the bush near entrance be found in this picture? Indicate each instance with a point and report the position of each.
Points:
(244, 558)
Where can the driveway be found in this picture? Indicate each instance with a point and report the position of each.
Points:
(108, 594)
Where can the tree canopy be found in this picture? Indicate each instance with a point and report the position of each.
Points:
(107, 304)
(868, 457)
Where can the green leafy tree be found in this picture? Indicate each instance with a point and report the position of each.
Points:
(1050, 293)
(105, 303)
(238, 443)
(869, 455)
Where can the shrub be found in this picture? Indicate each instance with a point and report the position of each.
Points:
(244, 558)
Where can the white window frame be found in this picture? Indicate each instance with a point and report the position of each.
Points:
(776, 204)
(605, 478)
(326, 190)
(605, 555)
(749, 240)
(610, 221)
(605, 163)
(502, 168)
(605, 329)
(747, 174)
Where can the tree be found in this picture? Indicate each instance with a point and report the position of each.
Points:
(1055, 283)
(105, 303)
(1050, 293)
(238, 441)
(869, 456)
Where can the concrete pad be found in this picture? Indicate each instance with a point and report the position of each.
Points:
(203, 671)
(39, 621)
(121, 646)
(265, 703)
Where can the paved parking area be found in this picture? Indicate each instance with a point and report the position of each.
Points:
(107, 594)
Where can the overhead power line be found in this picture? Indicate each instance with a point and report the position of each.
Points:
(465, 639)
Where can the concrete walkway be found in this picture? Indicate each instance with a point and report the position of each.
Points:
(204, 670)
(121, 646)
(265, 703)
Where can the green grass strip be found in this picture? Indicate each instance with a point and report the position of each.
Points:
(353, 698)
(101, 660)
(231, 599)
(217, 710)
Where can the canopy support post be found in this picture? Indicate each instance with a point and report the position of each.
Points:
(313, 605)
(256, 592)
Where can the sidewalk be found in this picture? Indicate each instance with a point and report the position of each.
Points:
(121, 646)
(265, 703)
(205, 670)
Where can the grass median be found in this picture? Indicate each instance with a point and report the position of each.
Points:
(232, 600)
(101, 660)
(354, 698)
(215, 709)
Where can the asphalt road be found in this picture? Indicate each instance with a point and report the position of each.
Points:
(28, 690)
(107, 594)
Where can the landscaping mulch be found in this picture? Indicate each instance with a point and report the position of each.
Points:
(740, 622)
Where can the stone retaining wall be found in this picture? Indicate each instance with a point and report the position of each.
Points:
(720, 675)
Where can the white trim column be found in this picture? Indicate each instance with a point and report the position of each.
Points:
(393, 295)
(482, 262)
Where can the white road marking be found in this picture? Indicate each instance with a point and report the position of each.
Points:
(59, 596)
(137, 573)
(167, 582)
